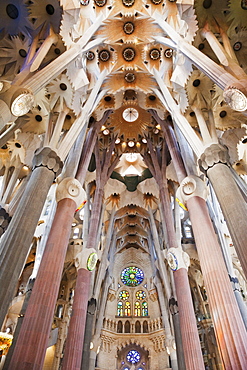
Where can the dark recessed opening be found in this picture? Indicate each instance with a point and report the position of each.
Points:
(18, 145)
(196, 83)
(63, 86)
(91, 119)
(206, 4)
(12, 11)
(192, 114)
(201, 46)
(4, 146)
(22, 53)
(50, 9)
(107, 98)
(57, 51)
(152, 97)
(244, 141)
(223, 113)
(68, 116)
(38, 118)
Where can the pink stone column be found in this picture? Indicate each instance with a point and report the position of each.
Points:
(75, 337)
(229, 327)
(33, 338)
(190, 338)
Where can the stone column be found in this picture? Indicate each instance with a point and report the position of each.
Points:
(178, 261)
(74, 342)
(229, 327)
(173, 305)
(88, 334)
(85, 262)
(17, 239)
(34, 333)
(214, 162)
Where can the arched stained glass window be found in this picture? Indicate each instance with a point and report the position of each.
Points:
(127, 309)
(137, 309)
(144, 309)
(140, 294)
(133, 356)
(120, 309)
(124, 294)
(132, 276)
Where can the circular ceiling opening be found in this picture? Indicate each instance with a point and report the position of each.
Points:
(130, 114)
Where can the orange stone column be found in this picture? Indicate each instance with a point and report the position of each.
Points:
(34, 334)
(229, 327)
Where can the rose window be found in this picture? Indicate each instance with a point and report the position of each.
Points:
(133, 357)
(132, 276)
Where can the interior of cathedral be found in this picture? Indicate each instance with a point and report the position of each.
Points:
(123, 196)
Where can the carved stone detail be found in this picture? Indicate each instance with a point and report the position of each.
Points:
(82, 258)
(47, 157)
(4, 220)
(212, 155)
(192, 186)
(177, 259)
(70, 188)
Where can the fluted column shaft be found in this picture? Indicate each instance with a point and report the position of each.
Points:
(34, 334)
(17, 239)
(188, 325)
(75, 337)
(214, 163)
(229, 327)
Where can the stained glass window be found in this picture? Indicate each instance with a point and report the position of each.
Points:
(140, 294)
(127, 309)
(132, 276)
(144, 309)
(137, 309)
(120, 309)
(124, 295)
(133, 356)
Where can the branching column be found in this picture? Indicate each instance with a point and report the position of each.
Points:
(214, 162)
(191, 344)
(104, 168)
(34, 334)
(17, 239)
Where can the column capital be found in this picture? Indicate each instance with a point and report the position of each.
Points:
(86, 259)
(70, 188)
(46, 157)
(213, 154)
(192, 186)
(177, 259)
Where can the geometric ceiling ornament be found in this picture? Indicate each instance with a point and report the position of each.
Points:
(130, 79)
(130, 120)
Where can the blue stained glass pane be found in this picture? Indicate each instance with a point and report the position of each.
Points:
(132, 276)
(133, 356)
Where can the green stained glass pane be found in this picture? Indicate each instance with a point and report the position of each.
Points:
(144, 309)
(132, 276)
